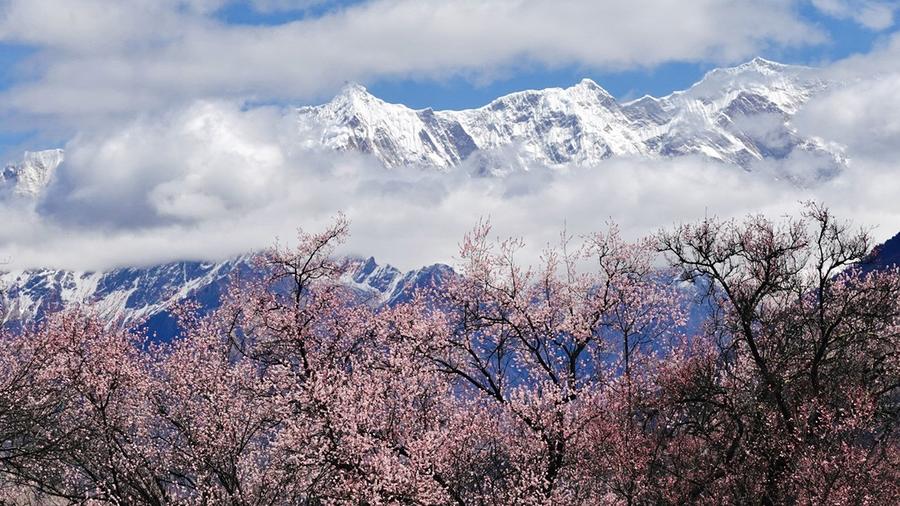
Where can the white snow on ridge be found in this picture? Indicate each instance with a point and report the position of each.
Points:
(582, 124)
(29, 177)
(738, 115)
(129, 295)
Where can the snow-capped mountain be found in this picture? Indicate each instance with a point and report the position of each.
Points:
(736, 115)
(30, 176)
(132, 295)
(739, 115)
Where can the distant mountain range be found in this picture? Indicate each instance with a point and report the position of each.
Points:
(736, 115)
(133, 295)
(739, 116)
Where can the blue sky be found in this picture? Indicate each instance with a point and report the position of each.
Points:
(845, 37)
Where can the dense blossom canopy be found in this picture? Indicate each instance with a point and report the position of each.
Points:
(761, 367)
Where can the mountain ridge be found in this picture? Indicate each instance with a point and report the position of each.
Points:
(130, 296)
(582, 123)
(737, 115)
(740, 116)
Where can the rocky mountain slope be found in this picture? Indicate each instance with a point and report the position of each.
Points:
(134, 295)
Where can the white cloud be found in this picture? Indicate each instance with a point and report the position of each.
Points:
(98, 57)
(210, 158)
(872, 14)
(213, 180)
(170, 177)
(864, 116)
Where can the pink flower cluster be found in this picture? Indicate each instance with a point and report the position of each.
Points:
(578, 381)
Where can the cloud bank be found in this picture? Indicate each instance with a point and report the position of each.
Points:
(216, 179)
(871, 14)
(97, 58)
(169, 160)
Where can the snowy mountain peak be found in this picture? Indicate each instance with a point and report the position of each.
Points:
(581, 124)
(355, 93)
(787, 86)
(356, 120)
(585, 92)
(755, 68)
(353, 101)
(721, 117)
(30, 176)
(762, 65)
(589, 85)
(354, 88)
